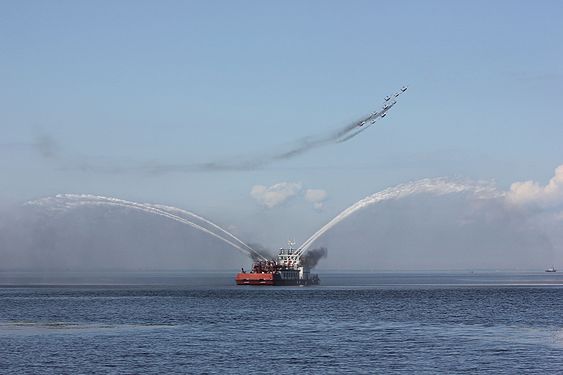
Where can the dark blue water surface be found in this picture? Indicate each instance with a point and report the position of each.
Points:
(150, 323)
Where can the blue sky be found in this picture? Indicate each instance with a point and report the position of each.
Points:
(178, 82)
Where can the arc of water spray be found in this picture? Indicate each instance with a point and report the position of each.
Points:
(437, 186)
(161, 208)
(160, 213)
(189, 213)
(175, 218)
(80, 200)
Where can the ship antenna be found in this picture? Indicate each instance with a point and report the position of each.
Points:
(291, 243)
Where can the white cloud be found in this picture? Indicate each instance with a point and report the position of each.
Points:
(276, 194)
(317, 197)
(272, 196)
(531, 192)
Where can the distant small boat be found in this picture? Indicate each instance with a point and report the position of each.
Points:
(552, 269)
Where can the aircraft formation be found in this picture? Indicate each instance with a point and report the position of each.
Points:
(362, 124)
(386, 107)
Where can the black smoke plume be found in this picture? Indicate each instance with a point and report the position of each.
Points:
(312, 257)
(260, 252)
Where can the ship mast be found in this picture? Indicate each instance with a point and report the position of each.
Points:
(289, 257)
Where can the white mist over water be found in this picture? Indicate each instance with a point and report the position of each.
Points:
(434, 223)
(438, 186)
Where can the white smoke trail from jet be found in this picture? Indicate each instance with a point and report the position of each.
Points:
(438, 186)
(70, 201)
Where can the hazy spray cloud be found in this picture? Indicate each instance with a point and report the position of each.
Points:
(426, 224)
(450, 224)
(429, 231)
(438, 186)
(102, 237)
(66, 202)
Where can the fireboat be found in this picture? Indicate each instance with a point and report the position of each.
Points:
(288, 269)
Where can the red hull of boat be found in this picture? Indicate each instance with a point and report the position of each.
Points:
(255, 279)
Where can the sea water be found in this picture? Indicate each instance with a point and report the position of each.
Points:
(197, 323)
